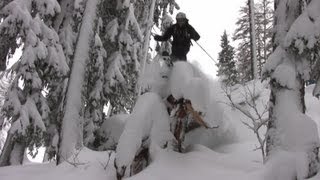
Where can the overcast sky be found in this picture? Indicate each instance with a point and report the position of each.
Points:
(210, 18)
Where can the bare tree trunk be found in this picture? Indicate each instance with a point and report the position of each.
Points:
(253, 45)
(7, 149)
(13, 152)
(17, 154)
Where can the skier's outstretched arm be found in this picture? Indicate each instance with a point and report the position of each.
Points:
(193, 33)
(166, 36)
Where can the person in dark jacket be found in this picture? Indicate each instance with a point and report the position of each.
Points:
(182, 33)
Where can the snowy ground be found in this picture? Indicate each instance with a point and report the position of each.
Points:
(229, 155)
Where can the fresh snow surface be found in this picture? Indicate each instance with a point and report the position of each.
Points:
(226, 155)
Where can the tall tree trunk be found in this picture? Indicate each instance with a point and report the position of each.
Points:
(253, 44)
(72, 123)
(13, 152)
(6, 151)
(17, 154)
(264, 30)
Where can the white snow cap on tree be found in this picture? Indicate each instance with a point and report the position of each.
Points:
(305, 31)
(131, 20)
(48, 7)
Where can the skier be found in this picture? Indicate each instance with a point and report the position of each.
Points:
(182, 33)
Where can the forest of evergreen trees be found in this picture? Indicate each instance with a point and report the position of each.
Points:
(82, 62)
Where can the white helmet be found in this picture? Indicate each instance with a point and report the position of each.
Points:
(181, 15)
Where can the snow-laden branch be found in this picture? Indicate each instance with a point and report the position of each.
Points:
(131, 20)
(304, 33)
(114, 71)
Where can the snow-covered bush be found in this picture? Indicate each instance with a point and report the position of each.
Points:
(148, 127)
(110, 131)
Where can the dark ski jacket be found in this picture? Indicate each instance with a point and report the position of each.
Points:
(181, 39)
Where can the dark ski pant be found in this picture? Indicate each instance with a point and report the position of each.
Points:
(178, 57)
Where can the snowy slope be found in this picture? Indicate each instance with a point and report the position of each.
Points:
(229, 154)
(201, 163)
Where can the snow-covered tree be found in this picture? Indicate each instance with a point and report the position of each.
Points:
(93, 93)
(67, 25)
(122, 38)
(42, 63)
(8, 44)
(227, 66)
(163, 8)
(242, 35)
(126, 39)
(72, 122)
(289, 66)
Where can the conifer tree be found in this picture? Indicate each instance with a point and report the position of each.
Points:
(253, 39)
(122, 39)
(67, 25)
(93, 91)
(243, 53)
(41, 65)
(264, 25)
(226, 66)
(263, 29)
(73, 117)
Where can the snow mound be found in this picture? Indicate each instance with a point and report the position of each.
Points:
(287, 165)
(111, 129)
(84, 164)
(148, 121)
(210, 165)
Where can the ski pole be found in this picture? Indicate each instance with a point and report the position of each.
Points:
(206, 52)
